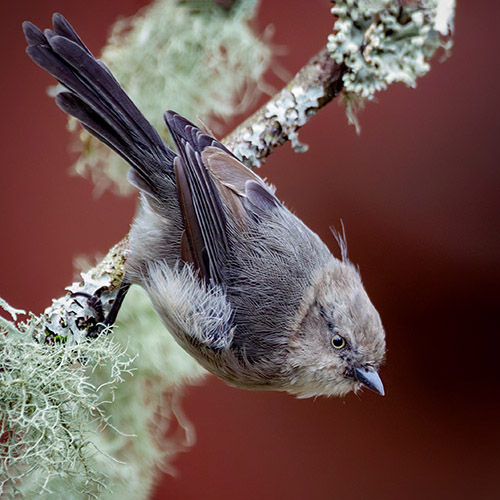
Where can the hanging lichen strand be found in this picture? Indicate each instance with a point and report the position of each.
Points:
(50, 410)
(86, 420)
(194, 57)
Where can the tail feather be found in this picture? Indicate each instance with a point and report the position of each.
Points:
(93, 123)
(33, 35)
(63, 28)
(98, 101)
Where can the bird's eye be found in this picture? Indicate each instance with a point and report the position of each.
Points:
(338, 342)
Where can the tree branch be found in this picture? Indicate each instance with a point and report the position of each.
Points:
(71, 317)
(278, 121)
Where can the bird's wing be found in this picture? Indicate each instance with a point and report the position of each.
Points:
(213, 185)
(238, 182)
(203, 213)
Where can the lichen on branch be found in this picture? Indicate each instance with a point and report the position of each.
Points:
(279, 120)
(385, 41)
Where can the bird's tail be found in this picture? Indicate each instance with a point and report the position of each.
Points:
(96, 99)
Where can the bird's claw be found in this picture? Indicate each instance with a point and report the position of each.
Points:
(94, 324)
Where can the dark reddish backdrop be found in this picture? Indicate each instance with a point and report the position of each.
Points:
(418, 192)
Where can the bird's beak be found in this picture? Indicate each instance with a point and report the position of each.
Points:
(370, 379)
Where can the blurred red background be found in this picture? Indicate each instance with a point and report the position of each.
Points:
(418, 192)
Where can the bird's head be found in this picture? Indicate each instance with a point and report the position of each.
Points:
(339, 340)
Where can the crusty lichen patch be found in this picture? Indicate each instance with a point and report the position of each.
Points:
(279, 120)
(286, 113)
(386, 41)
(72, 317)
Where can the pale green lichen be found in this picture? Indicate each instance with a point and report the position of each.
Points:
(386, 41)
(76, 424)
(291, 111)
(287, 112)
(191, 56)
(14, 313)
(50, 409)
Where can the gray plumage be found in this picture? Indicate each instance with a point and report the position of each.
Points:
(244, 286)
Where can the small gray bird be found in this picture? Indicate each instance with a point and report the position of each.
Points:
(243, 285)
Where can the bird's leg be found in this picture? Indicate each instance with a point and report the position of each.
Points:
(115, 308)
(94, 301)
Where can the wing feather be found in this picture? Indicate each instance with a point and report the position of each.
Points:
(216, 192)
(202, 209)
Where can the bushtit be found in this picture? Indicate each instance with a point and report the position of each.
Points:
(243, 285)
